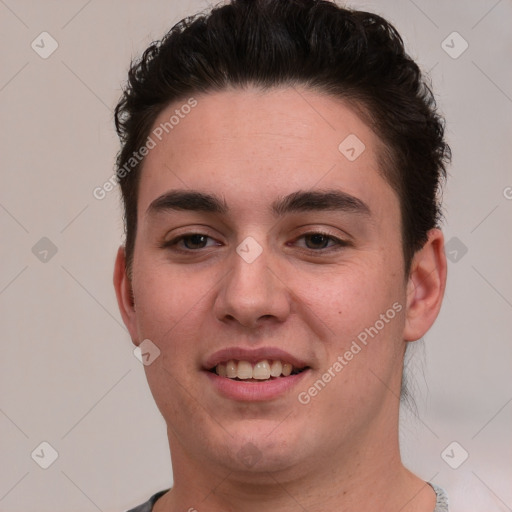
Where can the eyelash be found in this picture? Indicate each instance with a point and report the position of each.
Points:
(339, 243)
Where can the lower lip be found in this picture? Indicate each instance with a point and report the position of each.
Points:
(255, 391)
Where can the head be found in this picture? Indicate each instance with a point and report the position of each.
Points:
(269, 118)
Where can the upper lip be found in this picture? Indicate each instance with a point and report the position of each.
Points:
(252, 356)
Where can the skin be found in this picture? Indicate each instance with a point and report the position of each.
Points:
(340, 451)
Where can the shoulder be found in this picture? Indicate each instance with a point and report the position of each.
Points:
(442, 498)
(148, 505)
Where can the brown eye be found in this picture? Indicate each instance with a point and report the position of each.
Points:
(319, 242)
(191, 242)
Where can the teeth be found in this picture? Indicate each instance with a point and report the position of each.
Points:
(231, 369)
(221, 370)
(275, 368)
(244, 370)
(263, 370)
(287, 369)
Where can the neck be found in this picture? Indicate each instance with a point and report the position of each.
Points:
(377, 482)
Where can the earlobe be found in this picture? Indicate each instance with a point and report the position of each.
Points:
(426, 286)
(124, 294)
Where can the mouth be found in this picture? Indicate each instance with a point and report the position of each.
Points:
(263, 370)
(255, 375)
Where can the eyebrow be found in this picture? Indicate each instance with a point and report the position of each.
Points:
(300, 201)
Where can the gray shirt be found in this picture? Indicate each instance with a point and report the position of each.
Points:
(441, 503)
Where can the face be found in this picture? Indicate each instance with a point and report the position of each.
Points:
(292, 255)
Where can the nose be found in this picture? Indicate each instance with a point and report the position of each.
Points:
(253, 294)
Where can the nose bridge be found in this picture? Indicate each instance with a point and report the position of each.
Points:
(251, 290)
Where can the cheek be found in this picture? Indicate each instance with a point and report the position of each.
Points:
(174, 310)
(364, 309)
(163, 298)
(362, 355)
(347, 300)
(170, 306)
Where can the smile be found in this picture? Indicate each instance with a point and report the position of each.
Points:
(254, 374)
(260, 371)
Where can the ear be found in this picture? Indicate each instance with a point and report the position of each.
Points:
(124, 294)
(425, 287)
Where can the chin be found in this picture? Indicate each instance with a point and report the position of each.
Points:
(263, 447)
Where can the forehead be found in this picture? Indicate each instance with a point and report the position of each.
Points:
(252, 146)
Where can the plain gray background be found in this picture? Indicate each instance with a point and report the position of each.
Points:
(67, 372)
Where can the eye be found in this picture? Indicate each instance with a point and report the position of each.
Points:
(316, 241)
(191, 242)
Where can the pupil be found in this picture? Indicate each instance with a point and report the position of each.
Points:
(196, 240)
(317, 239)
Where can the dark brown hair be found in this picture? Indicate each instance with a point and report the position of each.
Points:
(352, 55)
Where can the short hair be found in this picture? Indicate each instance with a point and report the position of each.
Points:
(353, 55)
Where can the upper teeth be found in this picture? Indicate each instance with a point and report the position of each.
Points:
(261, 371)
